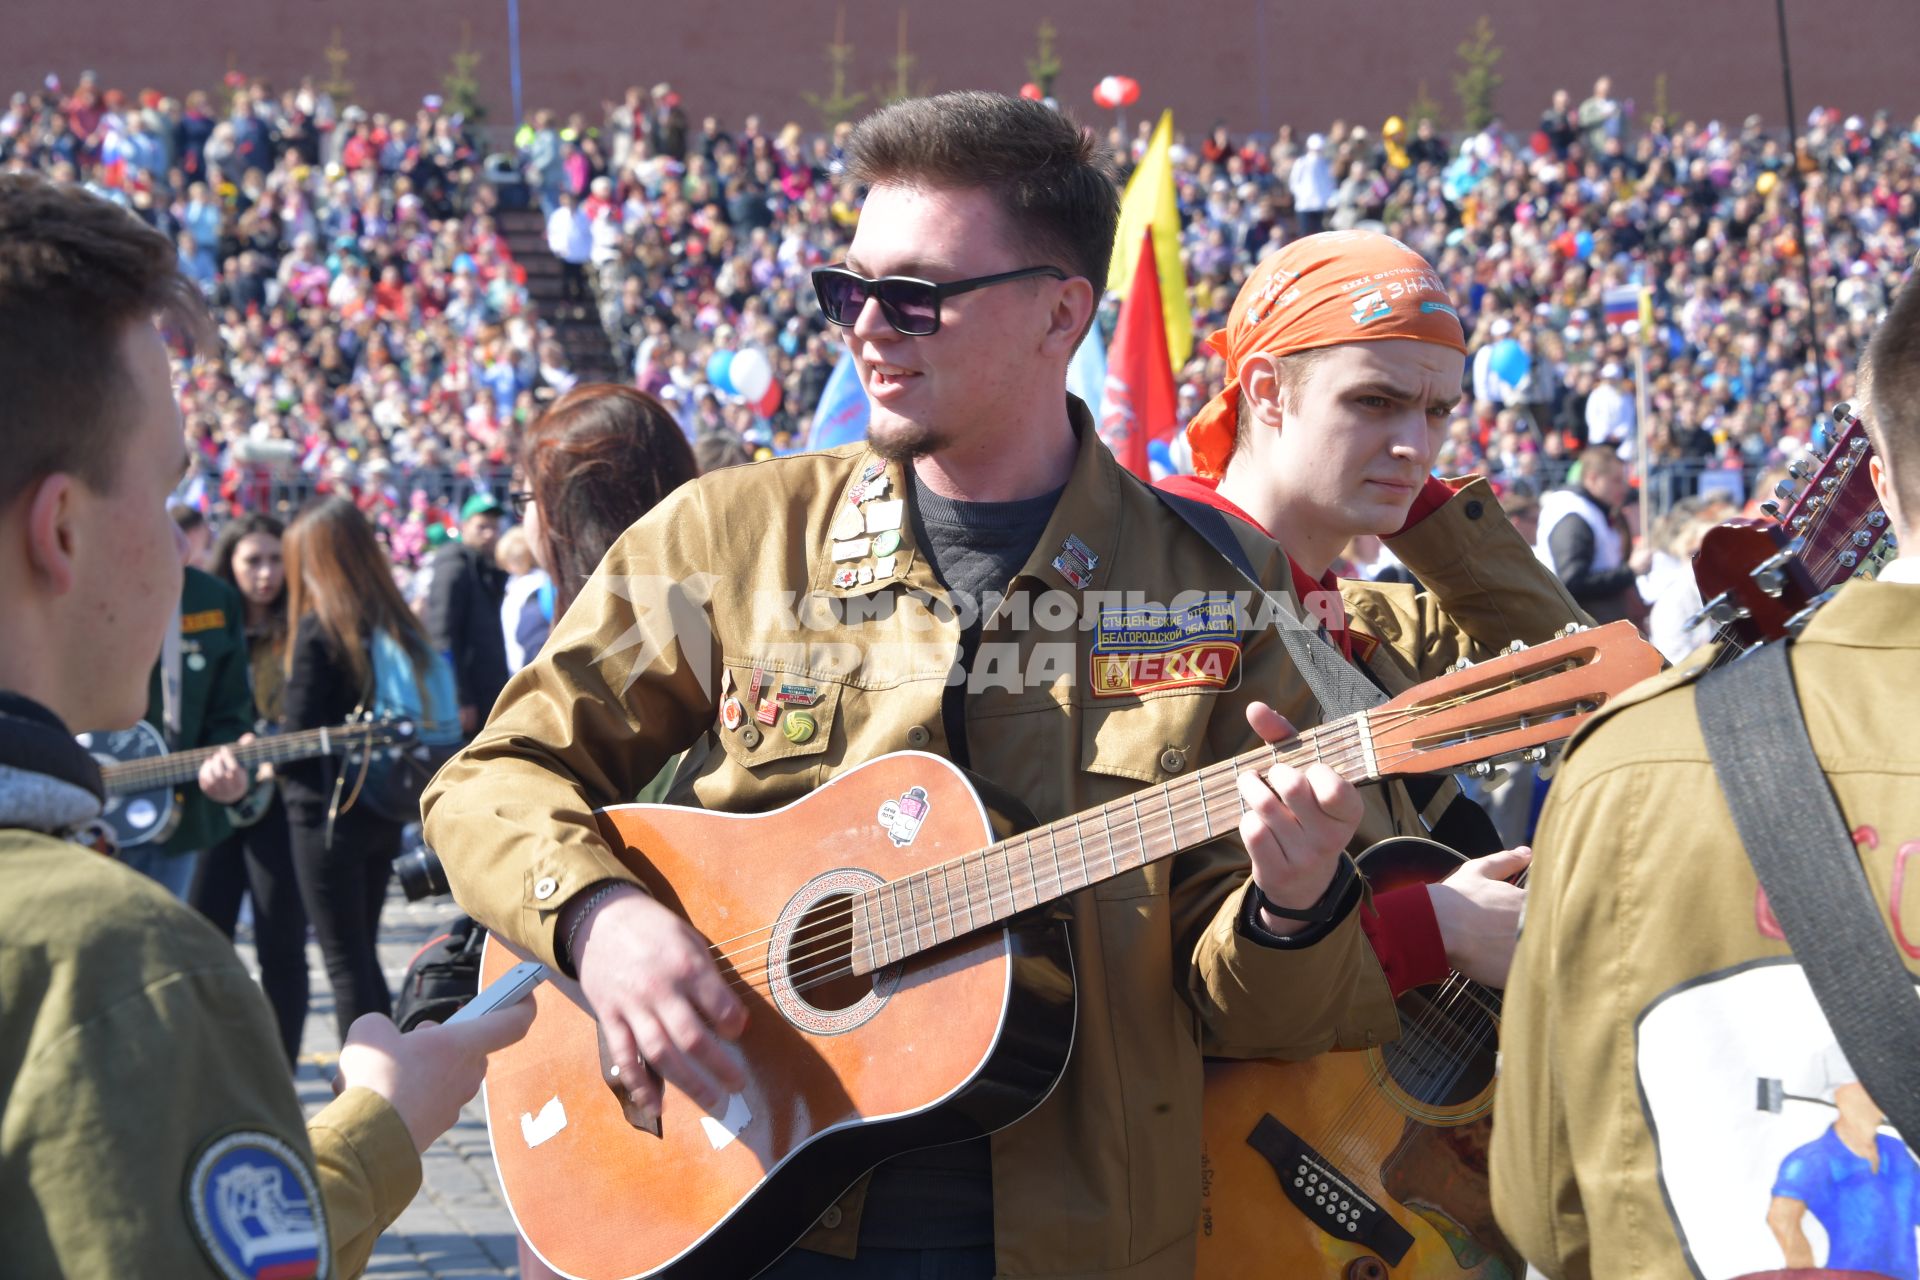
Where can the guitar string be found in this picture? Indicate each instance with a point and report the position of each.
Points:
(886, 939)
(1342, 755)
(833, 960)
(1461, 1045)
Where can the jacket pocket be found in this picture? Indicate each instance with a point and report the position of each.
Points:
(801, 729)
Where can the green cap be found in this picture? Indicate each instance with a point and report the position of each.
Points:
(481, 503)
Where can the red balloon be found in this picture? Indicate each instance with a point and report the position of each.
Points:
(1031, 91)
(1114, 92)
(765, 406)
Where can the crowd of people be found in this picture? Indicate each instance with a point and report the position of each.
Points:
(378, 338)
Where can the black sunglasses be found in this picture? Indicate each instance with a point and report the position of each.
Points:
(911, 306)
(520, 498)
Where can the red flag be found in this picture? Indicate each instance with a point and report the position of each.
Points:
(1138, 403)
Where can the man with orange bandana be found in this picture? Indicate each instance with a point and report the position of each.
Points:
(1345, 360)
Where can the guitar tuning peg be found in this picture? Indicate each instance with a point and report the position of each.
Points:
(1537, 755)
(1862, 539)
(1799, 469)
(1481, 769)
(1859, 445)
(1515, 647)
(1876, 519)
(1842, 411)
(1784, 490)
(1770, 507)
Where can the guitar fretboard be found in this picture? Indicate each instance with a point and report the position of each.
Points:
(922, 910)
(170, 770)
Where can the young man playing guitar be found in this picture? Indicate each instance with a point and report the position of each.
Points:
(788, 621)
(1335, 403)
(1654, 992)
(151, 1126)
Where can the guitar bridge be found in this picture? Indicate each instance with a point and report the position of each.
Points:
(1325, 1196)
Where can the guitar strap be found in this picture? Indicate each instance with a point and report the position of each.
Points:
(1803, 852)
(1340, 687)
(170, 680)
(1337, 685)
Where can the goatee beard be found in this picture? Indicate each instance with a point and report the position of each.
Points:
(904, 441)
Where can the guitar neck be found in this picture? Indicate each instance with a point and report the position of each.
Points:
(922, 910)
(184, 766)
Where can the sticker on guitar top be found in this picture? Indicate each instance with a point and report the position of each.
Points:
(723, 1131)
(536, 1129)
(902, 818)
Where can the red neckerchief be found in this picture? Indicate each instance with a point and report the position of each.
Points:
(1200, 489)
(1432, 496)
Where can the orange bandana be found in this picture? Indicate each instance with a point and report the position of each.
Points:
(1321, 291)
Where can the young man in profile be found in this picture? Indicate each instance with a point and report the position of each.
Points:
(142, 1073)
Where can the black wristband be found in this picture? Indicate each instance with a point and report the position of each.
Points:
(1325, 909)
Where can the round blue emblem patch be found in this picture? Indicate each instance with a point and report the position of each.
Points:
(255, 1209)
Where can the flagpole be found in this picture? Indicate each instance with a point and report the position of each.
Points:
(1642, 432)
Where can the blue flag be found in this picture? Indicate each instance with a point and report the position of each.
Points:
(841, 416)
(1087, 375)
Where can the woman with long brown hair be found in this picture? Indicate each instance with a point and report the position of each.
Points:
(340, 595)
(256, 860)
(596, 461)
(600, 458)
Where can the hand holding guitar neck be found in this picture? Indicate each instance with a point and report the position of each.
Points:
(221, 777)
(661, 1001)
(1296, 827)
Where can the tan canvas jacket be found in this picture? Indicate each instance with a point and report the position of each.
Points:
(1667, 1080)
(1101, 1180)
(132, 1040)
(1481, 589)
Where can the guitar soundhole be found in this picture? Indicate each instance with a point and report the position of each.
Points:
(1444, 1057)
(820, 958)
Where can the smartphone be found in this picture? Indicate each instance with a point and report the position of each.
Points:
(510, 986)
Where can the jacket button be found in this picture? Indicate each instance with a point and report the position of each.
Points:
(831, 1218)
(1474, 509)
(545, 887)
(1173, 760)
(751, 736)
(918, 736)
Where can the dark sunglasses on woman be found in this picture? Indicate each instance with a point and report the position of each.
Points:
(910, 305)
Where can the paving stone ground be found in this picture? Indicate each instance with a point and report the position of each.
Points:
(457, 1227)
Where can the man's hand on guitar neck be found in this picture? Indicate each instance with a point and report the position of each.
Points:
(661, 1001)
(1296, 826)
(1479, 914)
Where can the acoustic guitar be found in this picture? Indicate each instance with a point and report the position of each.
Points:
(1763, 579)
(1368, 1164)
(904, 989)
(142, 775)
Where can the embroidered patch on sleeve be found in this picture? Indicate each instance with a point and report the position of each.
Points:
(255, 1209)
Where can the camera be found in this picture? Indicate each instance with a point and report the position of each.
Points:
(421, 874)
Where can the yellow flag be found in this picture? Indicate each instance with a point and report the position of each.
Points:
(1150, 202)
(1646, 315)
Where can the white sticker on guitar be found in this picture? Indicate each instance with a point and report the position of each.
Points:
(723, 1131)
(551, 1120)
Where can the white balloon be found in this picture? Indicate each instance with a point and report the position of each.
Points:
(750, 374)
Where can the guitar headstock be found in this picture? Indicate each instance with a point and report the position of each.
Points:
(1761, 578)
(1510, 706)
